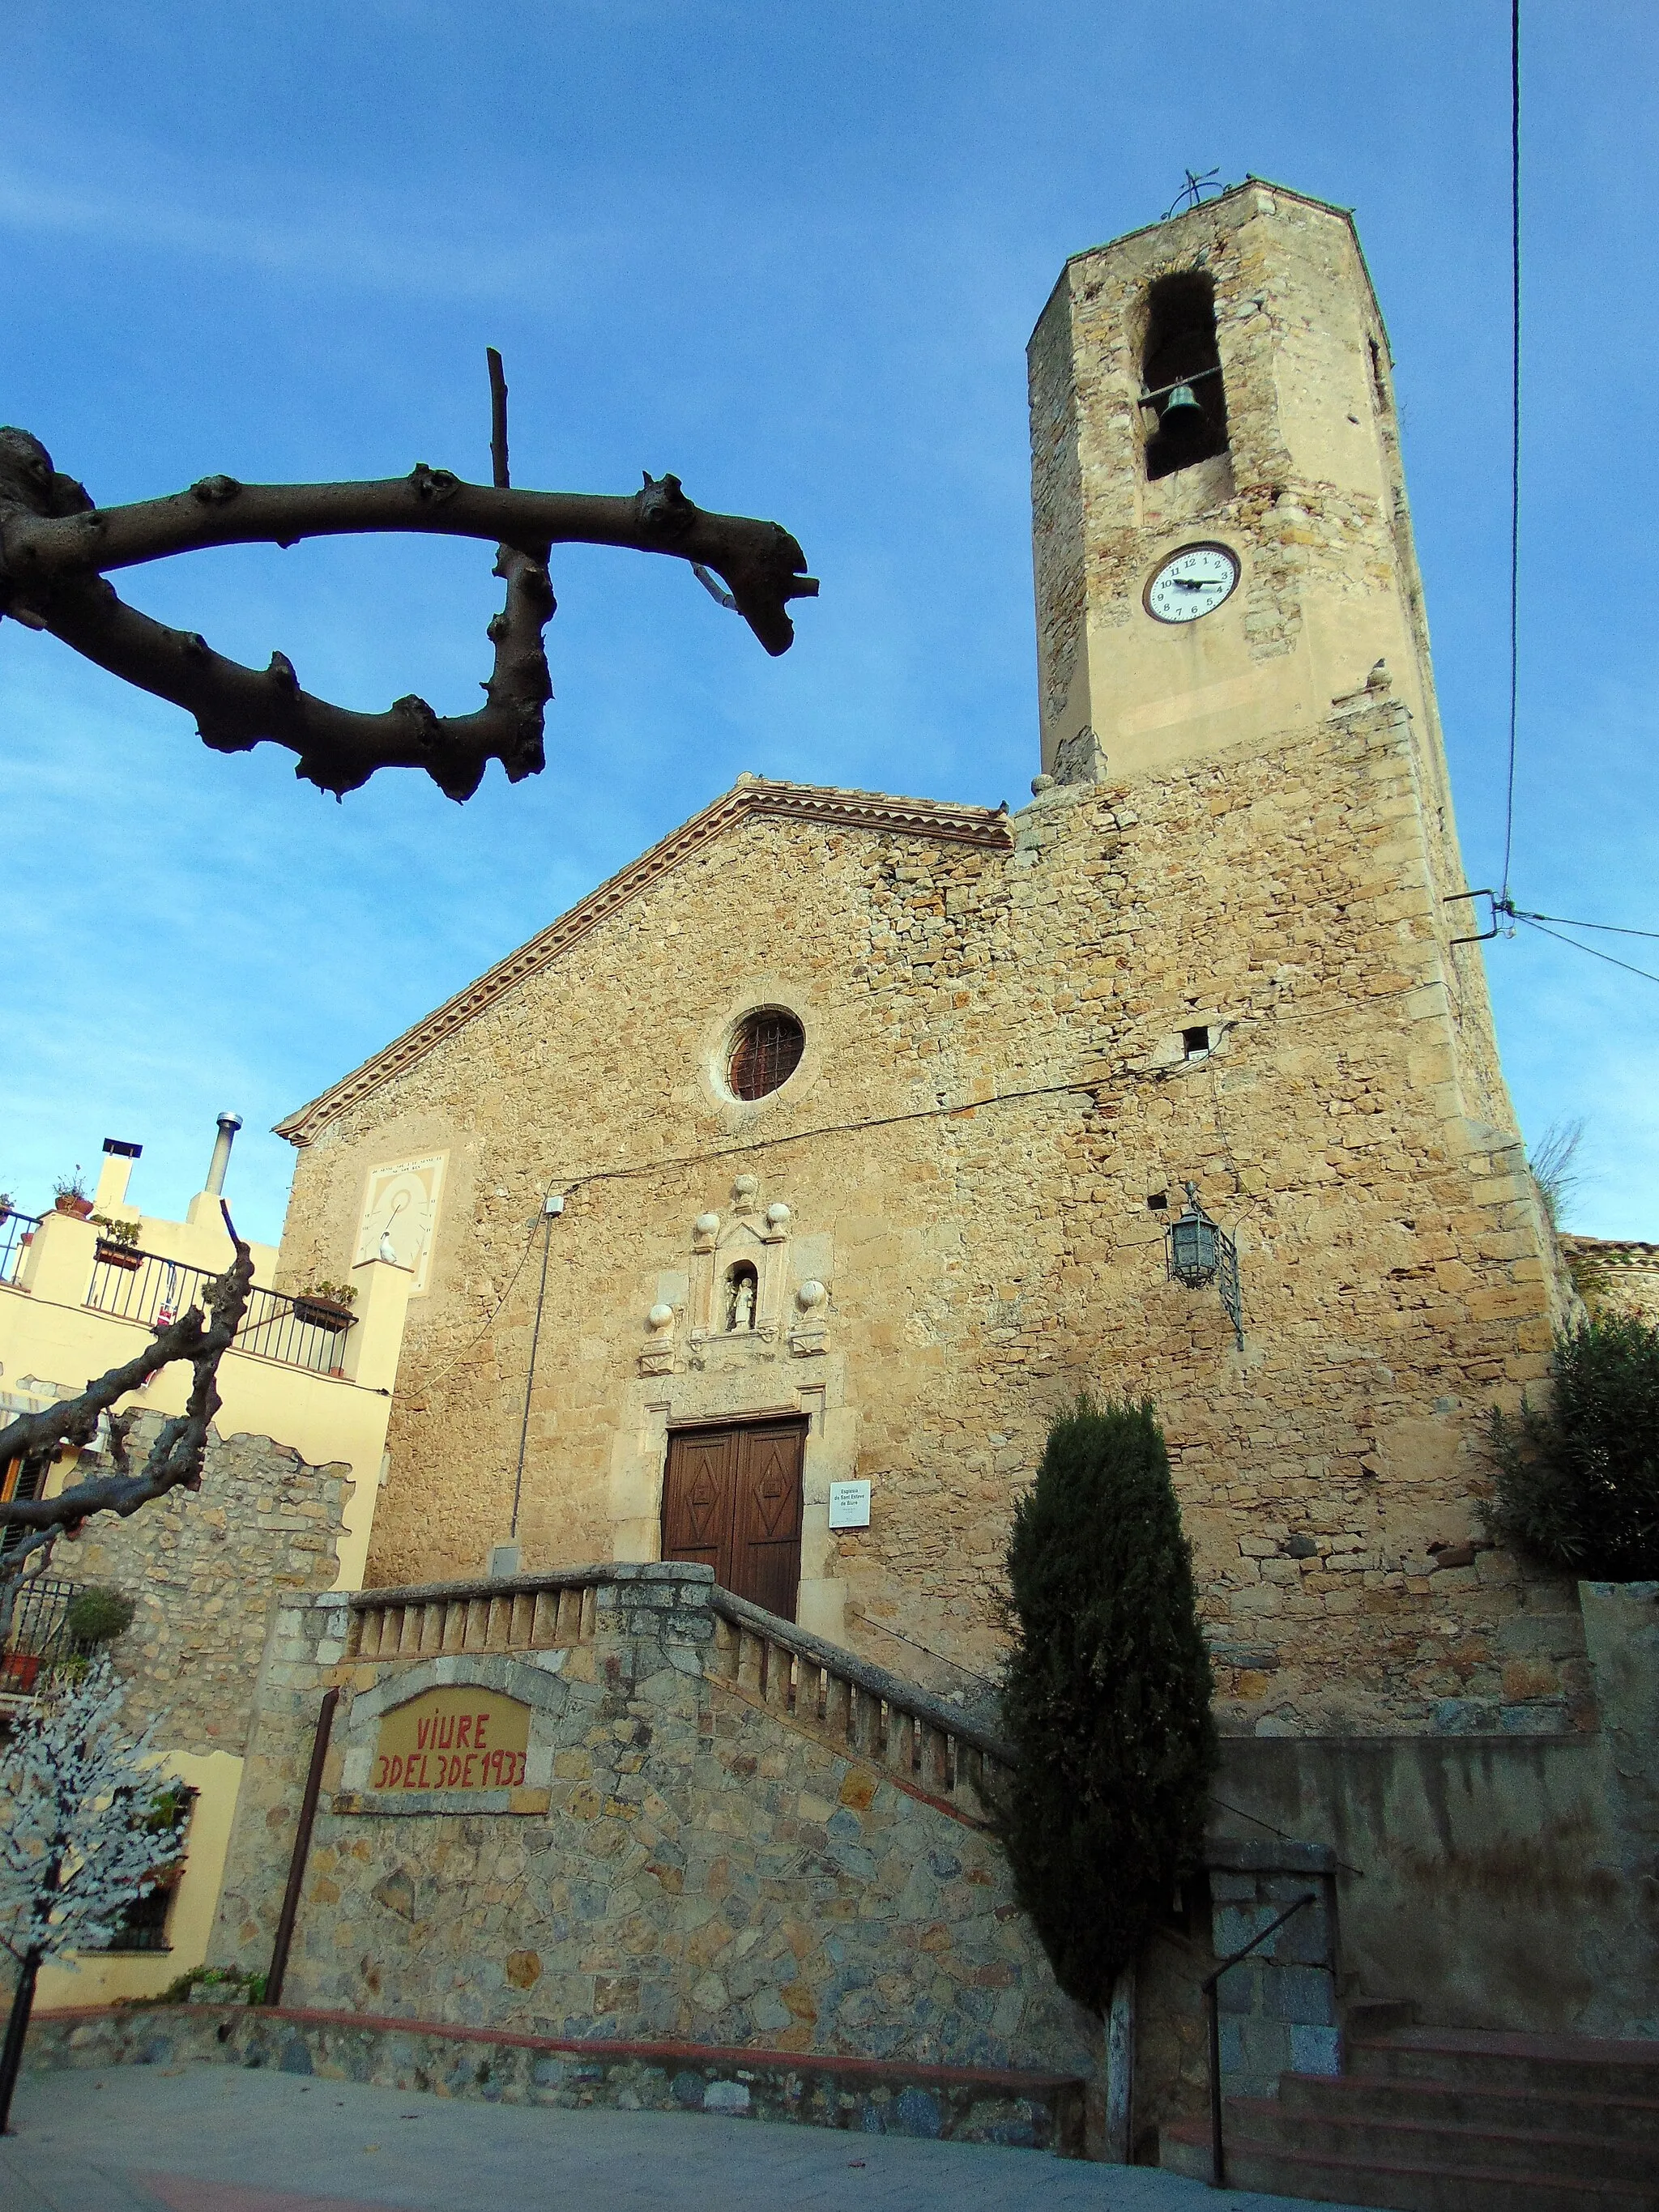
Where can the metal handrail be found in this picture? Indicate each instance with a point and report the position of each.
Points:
(13, 1244)
(35, 1638)
(130, 1283)
(1213, 2006)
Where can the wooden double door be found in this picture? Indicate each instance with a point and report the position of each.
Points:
(731, 1500)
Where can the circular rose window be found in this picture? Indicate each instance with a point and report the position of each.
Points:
(765, 1053)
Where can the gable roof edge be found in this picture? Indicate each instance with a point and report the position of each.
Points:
(750, 796)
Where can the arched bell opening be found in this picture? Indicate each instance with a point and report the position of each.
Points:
(1181, 375)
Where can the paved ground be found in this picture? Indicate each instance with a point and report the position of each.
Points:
(223, 2139)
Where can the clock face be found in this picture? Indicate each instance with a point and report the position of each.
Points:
(1191, 583)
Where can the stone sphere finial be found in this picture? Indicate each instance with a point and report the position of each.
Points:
(811, 1295)
(779, 1216)
(661, 1317)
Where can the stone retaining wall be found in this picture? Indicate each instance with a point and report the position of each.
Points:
(686, 1859)
(955, 2104)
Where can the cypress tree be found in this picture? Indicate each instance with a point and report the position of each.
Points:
(1107, 1700)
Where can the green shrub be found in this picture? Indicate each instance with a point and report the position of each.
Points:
(1107, 1701)
(97, 1615)
(1578, 1487)
(232, 1981)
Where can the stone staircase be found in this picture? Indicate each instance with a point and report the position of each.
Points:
(1428, 2120)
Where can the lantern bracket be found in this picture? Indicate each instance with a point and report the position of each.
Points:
(1199, 1253)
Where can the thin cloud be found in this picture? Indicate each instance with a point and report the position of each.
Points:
(351, 245)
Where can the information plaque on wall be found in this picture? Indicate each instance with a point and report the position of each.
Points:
(849, 1506)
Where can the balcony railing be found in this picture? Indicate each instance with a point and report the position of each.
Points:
(37, 1641)
(16, 1234)
(141, 1287)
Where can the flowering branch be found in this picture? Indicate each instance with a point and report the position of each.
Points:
(83, 1838)
(77, 1846)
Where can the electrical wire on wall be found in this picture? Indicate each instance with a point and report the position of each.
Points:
(1515, 424)
(551, 1209)
(1503, 909)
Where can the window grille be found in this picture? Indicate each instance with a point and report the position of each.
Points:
(142, 1925)
(766, 1053)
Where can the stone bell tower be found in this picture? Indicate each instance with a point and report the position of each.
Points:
(1222, 543)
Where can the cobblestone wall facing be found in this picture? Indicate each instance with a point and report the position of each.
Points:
(1620, 1275)
(201, 1567)
(703, 1870)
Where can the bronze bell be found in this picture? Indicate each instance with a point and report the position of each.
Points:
(1183, 414)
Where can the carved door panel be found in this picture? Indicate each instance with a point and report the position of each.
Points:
(731, 1500)
(698, 1492)
(766, 1531)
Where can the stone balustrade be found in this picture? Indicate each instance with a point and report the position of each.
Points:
(515, 1612)
(847, 1702)
(854, 1706)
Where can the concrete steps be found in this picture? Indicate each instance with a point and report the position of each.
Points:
(1451, 2120)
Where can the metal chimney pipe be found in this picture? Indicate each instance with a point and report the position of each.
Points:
(229, 1125)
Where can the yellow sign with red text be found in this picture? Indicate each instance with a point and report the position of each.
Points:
(453, 1739)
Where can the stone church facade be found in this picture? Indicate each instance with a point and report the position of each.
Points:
(869, 1114)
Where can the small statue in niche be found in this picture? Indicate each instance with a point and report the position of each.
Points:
(741, 1286)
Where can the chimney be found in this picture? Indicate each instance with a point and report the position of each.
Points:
(229, 1125)
(119, 1156)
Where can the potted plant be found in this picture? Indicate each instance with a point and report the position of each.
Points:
(69, 1195)
(118, 1242)
(208, 1985)
(97, 1614)
(326, 1305)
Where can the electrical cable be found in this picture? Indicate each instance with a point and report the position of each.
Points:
(1612, 928)
(1515, 419)
(473, 1343)
(899, 1637)
(529, 1371)
(636, 1169)
(1594, 952)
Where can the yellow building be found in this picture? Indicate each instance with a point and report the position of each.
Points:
(287, 1498)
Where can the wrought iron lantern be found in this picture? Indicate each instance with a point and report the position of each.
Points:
(1200, 1253)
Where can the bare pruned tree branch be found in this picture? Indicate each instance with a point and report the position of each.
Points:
(174, 1460)
(57, 549)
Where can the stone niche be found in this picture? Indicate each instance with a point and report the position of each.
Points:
(742, 1298)
(743, 1328)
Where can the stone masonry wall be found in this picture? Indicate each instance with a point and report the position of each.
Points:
(1312, 490)
(201, 1567)
(986, 1261)
(1620, 1275)
(691, 1867)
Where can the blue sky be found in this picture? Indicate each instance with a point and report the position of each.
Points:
(793, 255)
